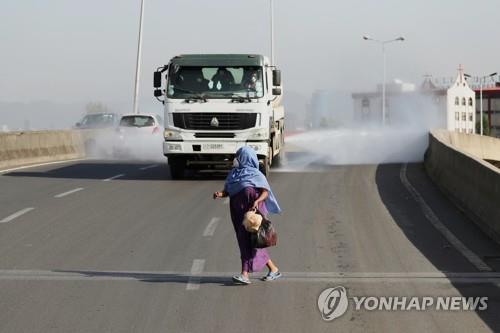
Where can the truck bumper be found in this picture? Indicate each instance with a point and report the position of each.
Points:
(212, 147)
(211, 152)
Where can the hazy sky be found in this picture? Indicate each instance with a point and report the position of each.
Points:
(79, 51)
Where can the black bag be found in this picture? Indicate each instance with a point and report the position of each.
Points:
(266, 236)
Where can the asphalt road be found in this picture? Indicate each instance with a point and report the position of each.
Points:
(143, 253)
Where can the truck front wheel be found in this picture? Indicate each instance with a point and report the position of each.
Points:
(177, 167)
(265, 167)
(278, 159)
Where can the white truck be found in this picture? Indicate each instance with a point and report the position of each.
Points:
(217, 103)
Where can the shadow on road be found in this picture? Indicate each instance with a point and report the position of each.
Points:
(100, 170)
(157, 170)
(408, 215)
(153, 277)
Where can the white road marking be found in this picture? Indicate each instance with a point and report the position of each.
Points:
(226, 201)
(212, 225)
(149, 167)
(432, 217)
(16, 215)
(41, 164)
(114, 177)
(60, 195)
(195, 278)
(311, 277)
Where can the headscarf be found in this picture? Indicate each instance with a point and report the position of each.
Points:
(247, 174)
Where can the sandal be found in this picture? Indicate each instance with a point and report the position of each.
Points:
(271, 276)
(240, 279)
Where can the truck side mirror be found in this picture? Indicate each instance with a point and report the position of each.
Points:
(276, 77)
(276, 91)
(157, 80)
(78, 124)
(158, 93)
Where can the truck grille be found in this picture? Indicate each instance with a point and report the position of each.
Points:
(215, 121)
(225, 135)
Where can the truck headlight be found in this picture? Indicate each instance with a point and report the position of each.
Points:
(260, 134)
(172, 135)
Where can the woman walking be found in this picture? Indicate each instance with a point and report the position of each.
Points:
(248, 189)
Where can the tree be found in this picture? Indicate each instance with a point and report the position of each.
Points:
(96, 107)
(486, 125)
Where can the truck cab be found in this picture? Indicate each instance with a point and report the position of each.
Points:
(217, 103)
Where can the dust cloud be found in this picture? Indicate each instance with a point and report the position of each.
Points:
(354, 140)
(110, 144)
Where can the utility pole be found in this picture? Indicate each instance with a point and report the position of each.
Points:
(138, 63)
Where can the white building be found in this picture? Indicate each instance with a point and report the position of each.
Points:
(461, 106)
(452, 105)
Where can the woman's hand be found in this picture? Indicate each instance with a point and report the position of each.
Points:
(218, 194)
(262, 197)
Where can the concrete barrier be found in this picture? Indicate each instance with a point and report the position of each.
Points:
(455, 162)
(24, 148)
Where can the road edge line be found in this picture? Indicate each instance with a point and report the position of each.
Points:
(429, 214)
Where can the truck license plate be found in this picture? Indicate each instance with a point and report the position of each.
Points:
(212, 146)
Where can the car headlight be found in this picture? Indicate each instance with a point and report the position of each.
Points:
(260, 134)
(172, 135)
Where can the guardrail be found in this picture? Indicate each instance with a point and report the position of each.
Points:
(456, 163)
(24, 148)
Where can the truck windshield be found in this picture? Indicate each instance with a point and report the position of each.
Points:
(215, 82)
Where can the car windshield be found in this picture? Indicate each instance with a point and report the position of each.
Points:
(137, 121)
(98, 120)
(215, 82)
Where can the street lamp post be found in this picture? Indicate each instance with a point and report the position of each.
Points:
(271, 4)
(383, 43)
(138, 63)
(482, 80)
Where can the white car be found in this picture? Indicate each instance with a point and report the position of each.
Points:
(139, 136)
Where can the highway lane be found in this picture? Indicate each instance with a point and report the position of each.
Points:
(37, 184)
(118, 256)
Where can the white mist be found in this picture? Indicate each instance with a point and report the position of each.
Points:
(403, 138)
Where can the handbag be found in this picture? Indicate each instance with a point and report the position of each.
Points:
(252, 221)
(266, 236)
